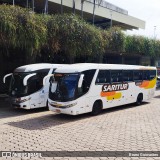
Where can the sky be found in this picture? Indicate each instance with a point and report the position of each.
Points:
(147, 10)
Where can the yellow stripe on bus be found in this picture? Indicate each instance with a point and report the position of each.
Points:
(116, 96)
(151, 84)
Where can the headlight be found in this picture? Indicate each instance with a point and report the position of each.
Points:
(61, 106)
(69, 105)
(19, 100)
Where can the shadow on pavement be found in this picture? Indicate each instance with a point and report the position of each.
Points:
(46, 121)
(157, 96)
(4, 103)
(6, 110)
(123, 107)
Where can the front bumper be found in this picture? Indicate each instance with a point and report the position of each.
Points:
(69, 111)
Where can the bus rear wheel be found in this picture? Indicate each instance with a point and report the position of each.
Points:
(97, 108)
(139, 99)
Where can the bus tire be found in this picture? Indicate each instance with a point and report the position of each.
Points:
(97, 107)
(139, 99)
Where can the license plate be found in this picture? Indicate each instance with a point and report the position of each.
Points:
(58, 111)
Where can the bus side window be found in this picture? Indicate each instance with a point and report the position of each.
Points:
(53, 70)
(41, 74)
(116, 76)
(138, 75)
(146, 75)
(127, 75)
(103, 77)
(35, 83)
(152, 74)
(88, 76)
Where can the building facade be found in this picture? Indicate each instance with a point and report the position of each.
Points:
(97, 12)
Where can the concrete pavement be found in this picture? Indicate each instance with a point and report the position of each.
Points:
(124, 128)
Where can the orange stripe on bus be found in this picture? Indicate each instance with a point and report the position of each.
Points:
(105, 94)
(144, 84)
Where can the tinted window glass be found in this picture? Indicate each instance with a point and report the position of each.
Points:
(88, 76)
(63, 86)
(138, 75)
(41, 75)
(116, 76)
(53, 71)
(146, 75)
(103, 76)
(35, 83)
(127, 75)
(152, 74)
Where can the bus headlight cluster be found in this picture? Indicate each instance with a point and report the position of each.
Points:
(19, 100)
(69, 105)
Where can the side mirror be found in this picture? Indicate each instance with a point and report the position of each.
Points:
(80, 81)
(7, 75)
(27, 77)
(47, 76)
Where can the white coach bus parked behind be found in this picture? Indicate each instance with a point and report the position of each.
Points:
(82, 88)
(26, 87)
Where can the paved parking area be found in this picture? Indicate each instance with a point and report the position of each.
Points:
(124, 128)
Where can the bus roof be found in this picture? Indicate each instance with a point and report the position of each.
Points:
(34, 67)
(79, 67)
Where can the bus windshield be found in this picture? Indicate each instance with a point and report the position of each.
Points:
(63, 87)
(34, 83)
(17, 88)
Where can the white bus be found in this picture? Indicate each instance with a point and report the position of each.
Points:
(26, 86)
(82, 88)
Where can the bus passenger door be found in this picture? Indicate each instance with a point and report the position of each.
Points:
(43, 93)
(33, 91)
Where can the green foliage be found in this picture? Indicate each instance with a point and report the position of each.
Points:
(134, 44)
(70, 34)
(115, 38)
(67, 34)
(21, 28)
(142, 45)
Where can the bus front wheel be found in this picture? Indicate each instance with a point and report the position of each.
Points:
(139, 99)
(97, 108)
